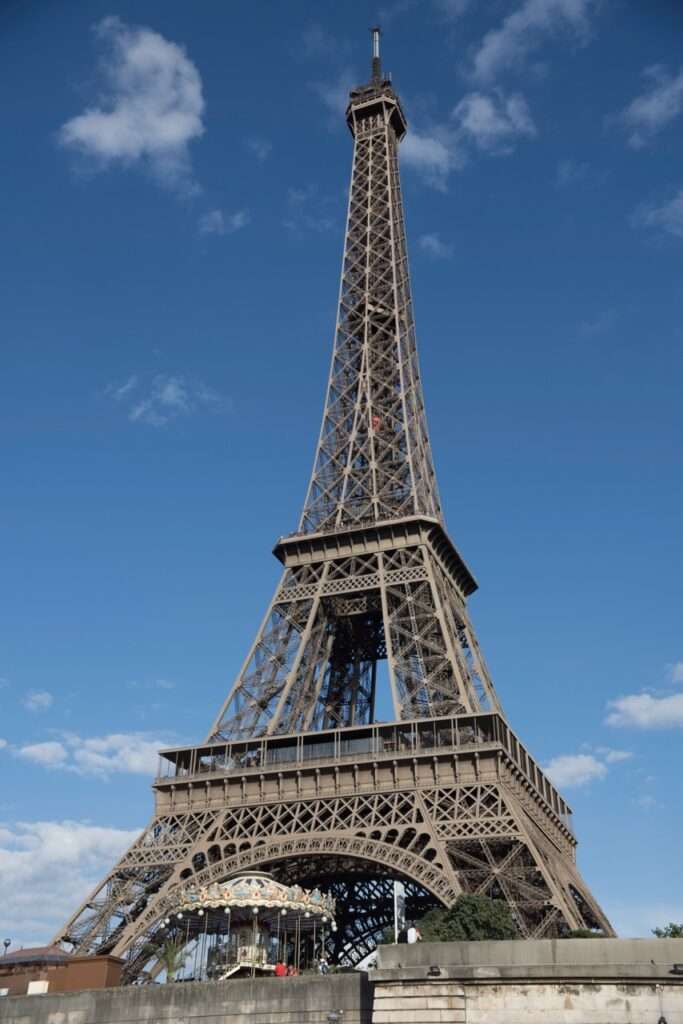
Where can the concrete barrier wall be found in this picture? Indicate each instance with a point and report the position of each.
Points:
(301, 1000)
(535, 958)
(574, 981)
(573, 1003)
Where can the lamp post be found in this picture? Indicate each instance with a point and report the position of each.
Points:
(6, 943)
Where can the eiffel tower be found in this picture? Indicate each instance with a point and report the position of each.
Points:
(296, 776)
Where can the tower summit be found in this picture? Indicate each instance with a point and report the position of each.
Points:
(296, 776)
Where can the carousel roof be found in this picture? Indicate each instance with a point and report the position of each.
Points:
(255, 890)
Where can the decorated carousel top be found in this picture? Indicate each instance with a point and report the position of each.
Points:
(256, 891)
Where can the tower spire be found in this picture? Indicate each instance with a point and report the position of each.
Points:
(376, 62)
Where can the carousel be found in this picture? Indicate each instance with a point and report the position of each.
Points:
(248, 925)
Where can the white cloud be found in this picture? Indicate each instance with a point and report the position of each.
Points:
(667, 217)
(493, 123)
(260, 147)
(433, 155)
(50, 754)
(152, 107)
(575, 769)
(215, 223)
(101, 756)
(486, 123)
(3, 743)
(47, 868)
(657, 107)
(165, 398)
(38, 700)
(643, 711)
(432, 244)
(524, 30)
(676, 672)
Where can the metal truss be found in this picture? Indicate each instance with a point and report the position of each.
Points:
(370, 577)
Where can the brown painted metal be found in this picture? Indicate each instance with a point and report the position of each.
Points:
(295, 776)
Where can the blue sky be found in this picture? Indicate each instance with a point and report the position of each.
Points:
(172, 215)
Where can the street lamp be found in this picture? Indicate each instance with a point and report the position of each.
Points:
(6, 943)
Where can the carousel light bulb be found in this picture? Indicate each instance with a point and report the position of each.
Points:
(201, 913)
(167, 920)
(227, 910)
(179, 916)
(284, 912)
(307, 914)
(254, 910)
(324, 920)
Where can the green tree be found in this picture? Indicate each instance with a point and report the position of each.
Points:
(471, 917)
(669, 931)
(584, 933)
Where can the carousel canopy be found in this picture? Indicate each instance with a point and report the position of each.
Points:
(255, 891)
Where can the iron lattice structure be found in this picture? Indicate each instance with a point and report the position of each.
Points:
(295, 776)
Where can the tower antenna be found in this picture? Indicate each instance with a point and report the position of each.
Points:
(376, 63)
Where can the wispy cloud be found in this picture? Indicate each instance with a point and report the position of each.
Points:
(47, 869)
(38, 700)
(260, 147)
(166, 397)
(215, 222)
(573, 172)
(335, 92)
(152, 107)
(523, 31)
(433, 155)
(316, 41)
(667, 216)
(645, 711)
(612, 756)
(602, 323)
(154, 684)
(676, 672)
(651, 112)
(452, 8)
(99, 756)
(308, 211)
(434, 247)
(3, 743)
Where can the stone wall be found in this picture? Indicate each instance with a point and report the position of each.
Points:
(301, 1000)
(545, 981)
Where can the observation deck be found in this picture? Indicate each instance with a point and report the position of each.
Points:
(421, 752)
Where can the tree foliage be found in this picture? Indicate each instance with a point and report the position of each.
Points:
(471, 917)
(584, 933)
(669, 931)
